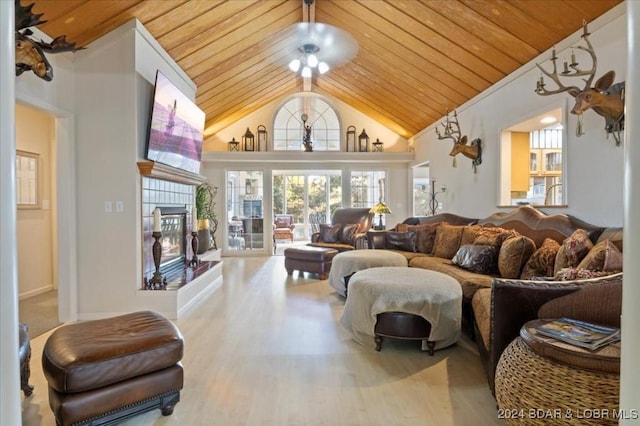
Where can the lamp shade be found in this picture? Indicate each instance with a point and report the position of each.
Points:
(380, 208)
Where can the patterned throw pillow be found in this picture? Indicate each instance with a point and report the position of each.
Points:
(541, 262)
(329, 233)
(573, 250)
(348, 232)
(400, 240)
(479, 259)
(514, 253)
(469, 234)
(493, 236)
(566, 274)
(447, 240)
(604, 256)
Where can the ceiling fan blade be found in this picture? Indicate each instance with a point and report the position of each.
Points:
(336, 46)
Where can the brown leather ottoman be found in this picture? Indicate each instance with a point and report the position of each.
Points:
(309, 259)
(105, 371)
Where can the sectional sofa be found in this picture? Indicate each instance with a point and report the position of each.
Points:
(509, 265)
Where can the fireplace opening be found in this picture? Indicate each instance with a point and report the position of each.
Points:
(173, 223)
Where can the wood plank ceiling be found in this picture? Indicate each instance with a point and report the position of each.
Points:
(416, 58)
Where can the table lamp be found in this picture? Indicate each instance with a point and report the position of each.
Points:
(380, 209)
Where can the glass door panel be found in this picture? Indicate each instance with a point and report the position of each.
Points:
(245, 210)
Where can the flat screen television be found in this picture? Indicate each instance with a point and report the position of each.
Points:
(176, 128)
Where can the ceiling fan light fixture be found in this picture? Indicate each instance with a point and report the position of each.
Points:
(312, 60)
(323, 67)
(306, 72)
(294, 65)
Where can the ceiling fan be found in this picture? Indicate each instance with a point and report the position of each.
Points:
(320, 46)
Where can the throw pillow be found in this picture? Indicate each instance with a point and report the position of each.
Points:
(573, 250)
(425, 236)
(604, 254)
(402, 227)
(566, 274)
(400, 240)
(447, 240)
(541, 262)
(329, 233)
(469, 234)
(348, 232)
(479, 259)
(493, 236)
(514, 253)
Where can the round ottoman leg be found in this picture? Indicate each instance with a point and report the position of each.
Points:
(378, 340)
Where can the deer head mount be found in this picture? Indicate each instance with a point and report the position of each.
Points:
(605, 98)
(29, 52)
(451, 130)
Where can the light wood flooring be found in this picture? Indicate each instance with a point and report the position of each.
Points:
(267, 349)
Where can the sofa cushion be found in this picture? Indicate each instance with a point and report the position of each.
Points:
(481, 304)
(469, 281)
(447, 240)
(574, 248)
(330, 233)
(482, 259)
(541, 262)
(604, 256)
(348, 232)
(513, 255)
(400, 240)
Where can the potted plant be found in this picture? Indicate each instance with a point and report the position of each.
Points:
(207, 220)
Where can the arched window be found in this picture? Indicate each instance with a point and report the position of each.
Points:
(288, 125)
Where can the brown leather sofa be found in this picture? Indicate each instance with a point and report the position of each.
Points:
(347, 216)
(492, 311)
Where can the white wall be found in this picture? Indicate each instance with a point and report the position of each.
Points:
(595, 164)
(35, 134)
(348, 117)
(114, 80)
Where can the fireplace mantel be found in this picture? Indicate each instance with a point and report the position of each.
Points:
(161, 171)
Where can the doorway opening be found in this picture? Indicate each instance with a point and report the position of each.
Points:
(308, 198)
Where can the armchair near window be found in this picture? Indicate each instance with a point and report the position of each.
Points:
(283, 227)
(348, 230)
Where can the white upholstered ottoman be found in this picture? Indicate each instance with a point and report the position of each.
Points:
(347, 263)
(403, 303)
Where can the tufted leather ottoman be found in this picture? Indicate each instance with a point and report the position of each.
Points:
(309, 259)
(103, 371)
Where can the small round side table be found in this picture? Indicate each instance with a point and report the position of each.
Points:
(541, 381)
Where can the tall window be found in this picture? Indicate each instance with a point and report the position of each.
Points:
(288, 126)
(367, 187)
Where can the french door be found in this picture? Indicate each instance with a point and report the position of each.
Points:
(308, 196)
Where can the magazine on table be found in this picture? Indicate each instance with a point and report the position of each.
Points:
(580, 333)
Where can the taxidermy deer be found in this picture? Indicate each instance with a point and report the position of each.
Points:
(30, 53)
(605, 98)
(451, 130)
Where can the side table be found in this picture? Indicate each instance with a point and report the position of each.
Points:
(540, 381)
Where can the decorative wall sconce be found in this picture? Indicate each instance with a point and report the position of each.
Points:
(233, 145)
(451, 130)
(433, 201)
(351, 138)
(363, 142)
(248, 141)
(377, 145)
(605, 98)
(262, 138)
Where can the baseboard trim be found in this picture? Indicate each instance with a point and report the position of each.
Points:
(36, 292)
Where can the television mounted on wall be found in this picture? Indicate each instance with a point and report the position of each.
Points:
(176, 128)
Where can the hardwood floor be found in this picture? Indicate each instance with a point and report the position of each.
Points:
(267, 349)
